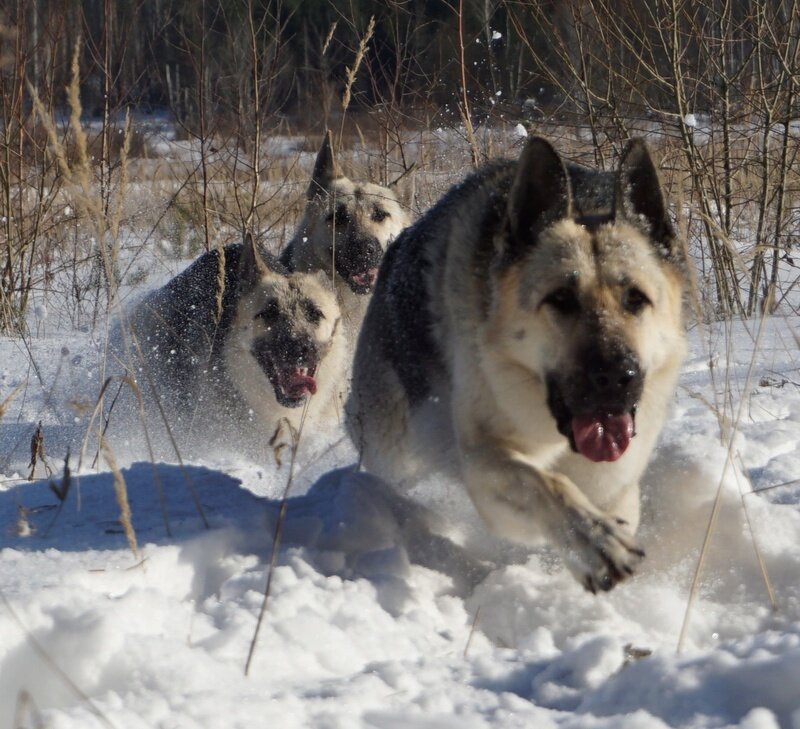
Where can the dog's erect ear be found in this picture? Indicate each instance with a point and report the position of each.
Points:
(540, 193)
(325, 169)
(252, 268)
(405, 187)
(639, 198)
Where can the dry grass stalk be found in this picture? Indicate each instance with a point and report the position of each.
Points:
(472, 629)
(96, 411)
(329, 36)
(123, 179)
(220, 290)
(7, 402)
(277, 535)
(159, 405)
(93, 204)
(464, 109)
(351, 73)
(121, 491)
(715, 509)
(37, 452)
(61, 492)
(74, 99)
(131, 383)
(762, 565)
(78, 176)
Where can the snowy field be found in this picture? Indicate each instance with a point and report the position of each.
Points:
(373, 620)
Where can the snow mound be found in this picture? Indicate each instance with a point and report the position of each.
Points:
(392, 610)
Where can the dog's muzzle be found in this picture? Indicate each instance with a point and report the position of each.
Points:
(595, 408)
(290, 365)
(357, 262)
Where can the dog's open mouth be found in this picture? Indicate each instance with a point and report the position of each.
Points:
(362, 283)
(602, 436)
(293, 384)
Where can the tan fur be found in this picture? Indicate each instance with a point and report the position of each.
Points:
(372, 211)
(248, 376)
(657, 335)
(229, 380)
(471, 388)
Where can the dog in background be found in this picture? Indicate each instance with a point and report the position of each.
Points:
(345, 230)
(525, 336)
(277, 344)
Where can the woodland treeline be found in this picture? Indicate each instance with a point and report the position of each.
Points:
(713, 84)
(215, 57)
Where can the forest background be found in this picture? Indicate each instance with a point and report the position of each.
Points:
(713, 85)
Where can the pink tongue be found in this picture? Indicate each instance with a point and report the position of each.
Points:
(296, 384)
(367, 278)
(601, 436)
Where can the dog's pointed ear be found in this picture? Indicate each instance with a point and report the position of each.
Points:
(640, 199)
(325, 168)
(540, 193)
(252, 268)
(405, 187)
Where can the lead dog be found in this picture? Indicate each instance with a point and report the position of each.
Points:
(526, 335)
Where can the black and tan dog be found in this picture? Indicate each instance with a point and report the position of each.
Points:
(345, 230)
(526, 335)
(277, 344)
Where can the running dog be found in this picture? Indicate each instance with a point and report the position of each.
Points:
(276, 342)
(525, 336)
(344, 232)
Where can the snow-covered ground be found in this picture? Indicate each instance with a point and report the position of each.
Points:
(374, 621)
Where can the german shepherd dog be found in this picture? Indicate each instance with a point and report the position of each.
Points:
(277, 343)
(344, 232)
(526, 335)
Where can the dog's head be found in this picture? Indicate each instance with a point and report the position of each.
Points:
(285, 325)
(589, 282)
(349, 223)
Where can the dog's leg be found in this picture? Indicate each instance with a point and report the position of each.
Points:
(516, 499)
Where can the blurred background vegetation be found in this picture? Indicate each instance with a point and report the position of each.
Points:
(714, 85)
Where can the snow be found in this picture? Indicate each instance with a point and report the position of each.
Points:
(386, 610)
(374, 619)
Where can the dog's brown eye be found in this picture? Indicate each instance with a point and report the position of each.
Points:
(269, 313)
(379, 215)
(563, 300)
(312, 312)
(634, 300)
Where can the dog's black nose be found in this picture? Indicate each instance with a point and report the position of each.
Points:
(295, 349)
(302, 352)
(608, 376)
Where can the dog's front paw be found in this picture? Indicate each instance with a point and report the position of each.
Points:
(602, 552)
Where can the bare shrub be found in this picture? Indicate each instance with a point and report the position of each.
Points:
(714, 85)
